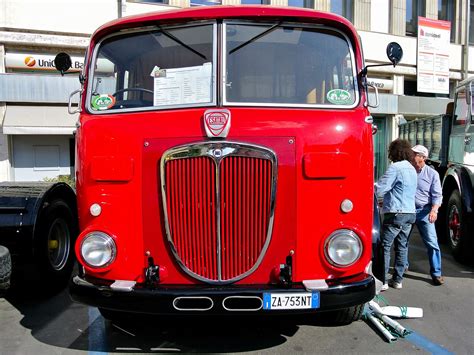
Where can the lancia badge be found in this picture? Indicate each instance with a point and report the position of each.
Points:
(217, 123)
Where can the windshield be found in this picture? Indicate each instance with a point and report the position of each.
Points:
(263, 64)
(161, 67)
(288, 64)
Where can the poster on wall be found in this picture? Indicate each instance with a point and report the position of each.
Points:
(432, 73)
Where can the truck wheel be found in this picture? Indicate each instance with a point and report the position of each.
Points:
(5, 269)
(347, 315)
(55, 243)
(456, 228)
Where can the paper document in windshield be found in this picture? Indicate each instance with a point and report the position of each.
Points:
(179, 86)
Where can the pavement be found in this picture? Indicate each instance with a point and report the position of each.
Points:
(32, 322)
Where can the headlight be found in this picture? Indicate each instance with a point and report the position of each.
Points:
(98, 249)
(343, 248)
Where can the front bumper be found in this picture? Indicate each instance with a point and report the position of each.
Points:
(197, 299)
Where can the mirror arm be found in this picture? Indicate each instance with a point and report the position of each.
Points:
(82, 77)
(363, 72)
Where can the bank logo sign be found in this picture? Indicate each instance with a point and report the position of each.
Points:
(33, 61)
(30, 61)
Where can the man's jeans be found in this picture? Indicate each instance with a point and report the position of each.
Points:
(428, 235)
(396, 229)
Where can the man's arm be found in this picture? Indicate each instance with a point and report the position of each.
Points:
(436, 194)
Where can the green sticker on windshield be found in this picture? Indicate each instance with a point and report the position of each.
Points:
(339, 97)
(103, 102)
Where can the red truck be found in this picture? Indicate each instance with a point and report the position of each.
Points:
(224, 163)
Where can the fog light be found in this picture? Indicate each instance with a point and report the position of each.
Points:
(98, 249)
(347, 206)
(343, 248)
(95, 209)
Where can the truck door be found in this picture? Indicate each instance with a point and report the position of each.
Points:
(469, 139)
(459, 131)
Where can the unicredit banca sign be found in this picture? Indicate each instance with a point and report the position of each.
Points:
(33, 61)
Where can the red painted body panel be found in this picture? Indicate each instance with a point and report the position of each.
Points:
(324, 157)
(307, 209)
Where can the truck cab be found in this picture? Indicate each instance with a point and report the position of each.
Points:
(458, 182)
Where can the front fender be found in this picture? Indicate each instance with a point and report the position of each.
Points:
(378, 267)
(463, 183)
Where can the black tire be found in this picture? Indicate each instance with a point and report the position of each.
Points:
(54, 243)
(5, 269)
(347, 315)
(457, 229)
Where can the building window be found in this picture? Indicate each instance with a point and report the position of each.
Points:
(344, 8)
(309, 4)
(446, 12)
(255, 2)
(415, 8)
(205, 2)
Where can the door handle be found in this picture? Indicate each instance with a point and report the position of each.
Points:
(467, 140)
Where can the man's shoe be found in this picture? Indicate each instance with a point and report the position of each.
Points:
(438, 280)
(384, 287)
(394, 284)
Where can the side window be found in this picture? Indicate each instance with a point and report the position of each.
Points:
(461, 110)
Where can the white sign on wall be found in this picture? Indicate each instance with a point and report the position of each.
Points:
(381, 84)
(45, 62)
(433, 56)
(35, 61)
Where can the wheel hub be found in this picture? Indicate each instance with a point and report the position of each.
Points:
(454, 226)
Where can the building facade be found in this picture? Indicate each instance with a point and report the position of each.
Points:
(37, 133)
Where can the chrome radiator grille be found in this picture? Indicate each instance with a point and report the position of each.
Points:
(218, 200)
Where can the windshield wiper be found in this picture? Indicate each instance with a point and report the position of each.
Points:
(253, 39)
(177, 40)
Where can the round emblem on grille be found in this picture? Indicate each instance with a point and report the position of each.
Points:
(217, 153)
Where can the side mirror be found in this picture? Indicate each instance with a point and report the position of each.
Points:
(63, 62)
(394, 53)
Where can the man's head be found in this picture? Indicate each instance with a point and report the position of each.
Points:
(421, 154)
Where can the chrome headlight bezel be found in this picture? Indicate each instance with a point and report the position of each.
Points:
(343, 241)
(98, 242)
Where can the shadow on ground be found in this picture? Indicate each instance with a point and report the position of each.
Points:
(56, 321)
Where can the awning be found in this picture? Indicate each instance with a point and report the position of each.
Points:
(39, 120)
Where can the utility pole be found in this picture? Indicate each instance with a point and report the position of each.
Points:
(466, 45)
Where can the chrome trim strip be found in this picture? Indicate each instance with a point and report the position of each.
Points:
(123, 285)
(312, 106)
(242, 309)
(192, 309)
(218, 218)
(207, 149)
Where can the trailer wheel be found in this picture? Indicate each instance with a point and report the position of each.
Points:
(347, 315)
(456, 228)
(55, 243)
(5, 269)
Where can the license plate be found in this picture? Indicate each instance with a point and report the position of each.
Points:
(300, 300)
